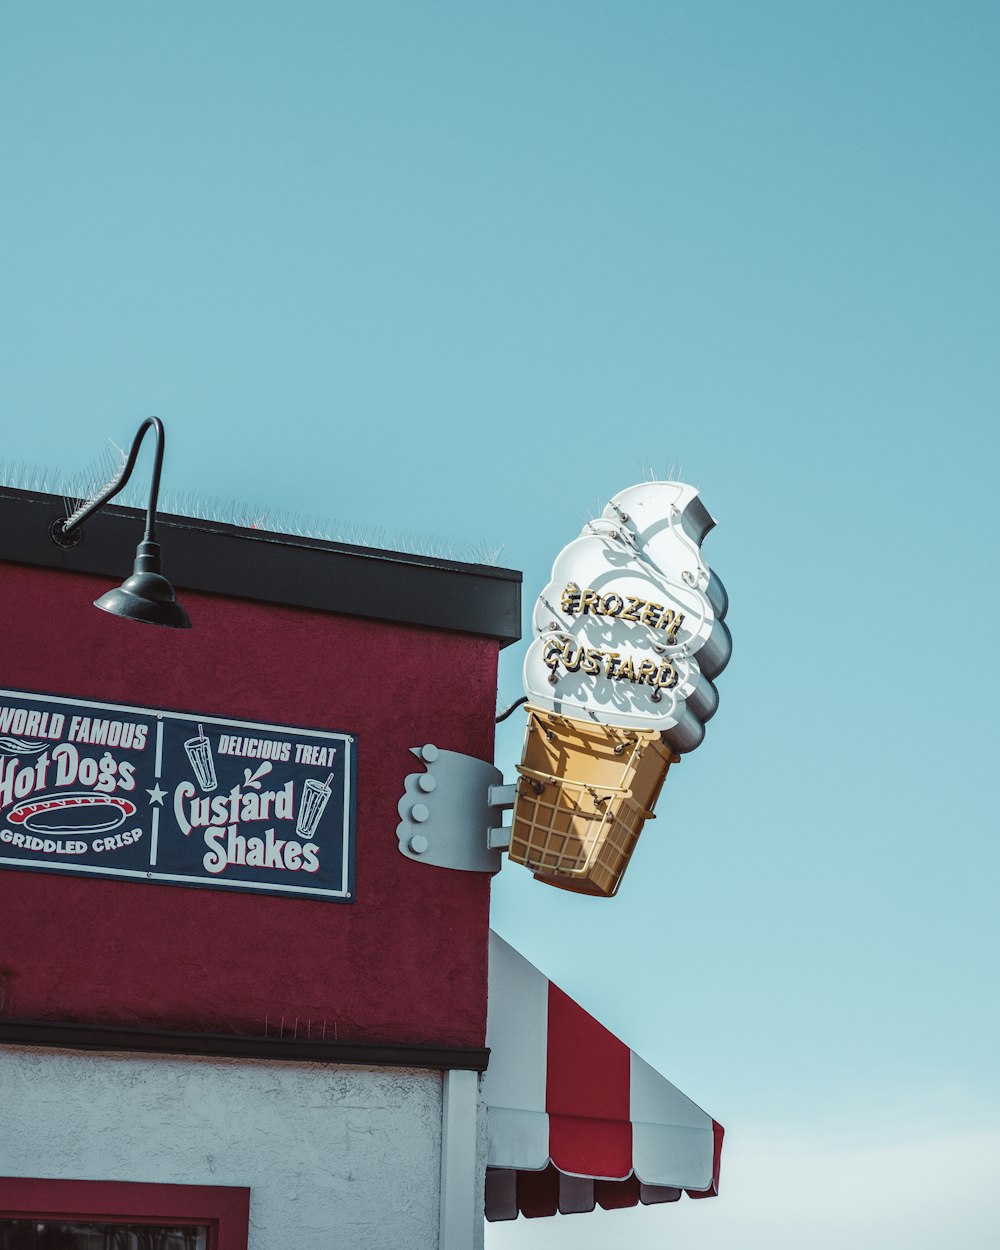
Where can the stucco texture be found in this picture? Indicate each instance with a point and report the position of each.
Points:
(334, 1156)
(406, 962)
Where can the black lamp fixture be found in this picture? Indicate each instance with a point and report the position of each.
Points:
(146, 595)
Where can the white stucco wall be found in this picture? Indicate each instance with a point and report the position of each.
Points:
(336, 1158)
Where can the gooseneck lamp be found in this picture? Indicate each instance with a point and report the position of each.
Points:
(146, 595)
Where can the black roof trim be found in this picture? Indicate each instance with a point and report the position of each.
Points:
(67, 1036)
(273, 568)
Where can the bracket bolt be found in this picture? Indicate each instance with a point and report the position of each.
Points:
(419, 813)
(429, 753)
(419, 844)
(427, 783)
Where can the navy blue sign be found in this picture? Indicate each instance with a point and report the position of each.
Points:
(116, 791)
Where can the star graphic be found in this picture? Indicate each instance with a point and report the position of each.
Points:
(156, 795)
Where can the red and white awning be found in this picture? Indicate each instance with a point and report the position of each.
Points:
(576, 1118)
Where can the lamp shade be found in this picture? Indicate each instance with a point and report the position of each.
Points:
(146, 595)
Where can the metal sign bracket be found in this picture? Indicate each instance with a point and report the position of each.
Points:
(451, 815)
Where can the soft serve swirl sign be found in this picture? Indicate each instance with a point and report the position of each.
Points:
(630, 629)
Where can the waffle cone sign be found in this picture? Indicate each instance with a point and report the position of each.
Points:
(583, 796)
(629, 637)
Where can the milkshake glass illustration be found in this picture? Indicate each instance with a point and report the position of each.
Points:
(315, 796)
(199, 752)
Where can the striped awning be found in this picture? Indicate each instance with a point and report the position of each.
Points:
(576, 1118)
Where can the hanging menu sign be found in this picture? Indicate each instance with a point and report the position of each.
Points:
(109, 790)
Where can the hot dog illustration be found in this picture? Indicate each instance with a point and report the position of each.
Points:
(71, 813)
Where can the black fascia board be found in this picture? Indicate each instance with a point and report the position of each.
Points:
(255, 564)
(64, 1035)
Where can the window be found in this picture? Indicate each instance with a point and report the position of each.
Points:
(120, 1215)
(60, 1234)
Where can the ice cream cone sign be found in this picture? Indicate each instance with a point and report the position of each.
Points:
(629, 637)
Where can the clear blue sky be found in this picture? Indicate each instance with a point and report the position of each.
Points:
(466, 270)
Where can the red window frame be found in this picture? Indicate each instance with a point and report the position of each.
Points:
(225, 1209)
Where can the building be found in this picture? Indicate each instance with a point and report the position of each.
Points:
(232, 1014)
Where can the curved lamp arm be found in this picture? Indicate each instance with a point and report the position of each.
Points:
(77, 519)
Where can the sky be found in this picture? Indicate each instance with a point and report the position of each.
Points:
(451, 275)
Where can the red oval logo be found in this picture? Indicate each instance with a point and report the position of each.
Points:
(71, 813)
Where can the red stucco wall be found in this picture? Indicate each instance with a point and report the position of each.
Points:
(406, 962)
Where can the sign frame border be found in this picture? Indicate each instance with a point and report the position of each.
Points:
(347, 892)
